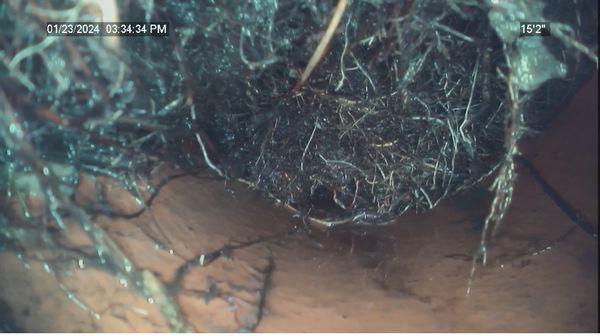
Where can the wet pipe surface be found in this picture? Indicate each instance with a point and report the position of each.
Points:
(234, 262)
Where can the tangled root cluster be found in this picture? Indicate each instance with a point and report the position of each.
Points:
(400, 113)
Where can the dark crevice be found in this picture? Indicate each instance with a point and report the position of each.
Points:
(575, 216)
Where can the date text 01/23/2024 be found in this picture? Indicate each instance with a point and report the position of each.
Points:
(107, 29)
